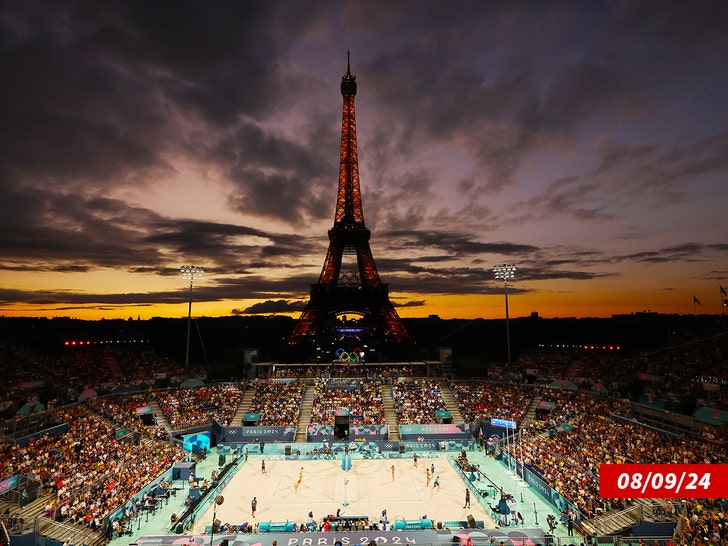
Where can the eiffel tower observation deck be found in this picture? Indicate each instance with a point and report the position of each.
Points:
(349, 308)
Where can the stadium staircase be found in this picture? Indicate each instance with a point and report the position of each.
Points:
(34, 509)
(35, 520)
(112, 365)
(390, 416)
(243, 407)
(72, 533)
(530, 414)
(451, 405)
(304, 418)
(160, 418)
(612, 522)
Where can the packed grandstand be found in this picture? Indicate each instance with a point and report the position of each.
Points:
(76, 447)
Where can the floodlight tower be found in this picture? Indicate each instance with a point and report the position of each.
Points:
(192, 273)
(505, 272)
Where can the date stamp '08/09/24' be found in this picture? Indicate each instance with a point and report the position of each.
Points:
(663, 480)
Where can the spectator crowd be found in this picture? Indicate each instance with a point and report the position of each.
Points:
(278, 403)
(90, 471)
(87, 470)
(194, 406)
(363, 400)
(417, 401)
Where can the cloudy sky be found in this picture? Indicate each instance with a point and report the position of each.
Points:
(586, 142)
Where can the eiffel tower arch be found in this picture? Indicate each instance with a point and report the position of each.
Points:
(349, 307)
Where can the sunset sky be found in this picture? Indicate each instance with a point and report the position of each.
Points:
(585, 142)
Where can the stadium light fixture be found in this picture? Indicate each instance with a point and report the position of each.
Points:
(191, 273)
(505, 272)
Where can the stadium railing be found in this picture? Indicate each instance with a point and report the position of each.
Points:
(617, 521)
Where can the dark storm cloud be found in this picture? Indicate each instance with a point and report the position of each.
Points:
(418, 303)
(688, 252)
(547, 119)
(99, 92)
(572, 196)
(404, 276)
(691, 35)
(101, 99)
(49, 297)
(207, 54)
(277, 177)
(542, 97)
(625, 173)
(526, 99)
(453, 243)
(264, 307)
(59, 232)
(663, 174)
(70, 114)
(218, 291)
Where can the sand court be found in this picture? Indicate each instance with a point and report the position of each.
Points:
(368, 490)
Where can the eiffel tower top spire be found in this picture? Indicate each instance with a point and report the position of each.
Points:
(348, 82)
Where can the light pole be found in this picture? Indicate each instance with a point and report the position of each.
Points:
(193, 273)
(505, 272)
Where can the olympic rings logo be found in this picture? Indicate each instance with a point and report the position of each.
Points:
(343, 356)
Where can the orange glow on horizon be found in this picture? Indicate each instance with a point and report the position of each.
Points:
(491, 306)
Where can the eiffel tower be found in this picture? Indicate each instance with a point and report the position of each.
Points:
(349, 308)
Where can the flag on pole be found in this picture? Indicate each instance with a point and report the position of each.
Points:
(722, 291)
(696, 300)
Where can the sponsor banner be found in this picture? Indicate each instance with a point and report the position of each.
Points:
(323, 433)
(432, 445)
(444, 431)
(356, 432)
(263, 434)
(366, 448)
(457, 445)
(319, 433)
(7, 485)
(517, 537)
(144, 410)
(237, 448)
(369, 432)
(503, 423)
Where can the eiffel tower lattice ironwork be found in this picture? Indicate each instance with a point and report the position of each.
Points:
(361, 292)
